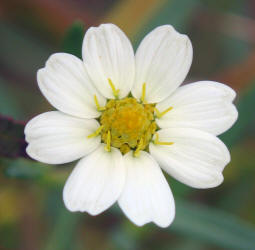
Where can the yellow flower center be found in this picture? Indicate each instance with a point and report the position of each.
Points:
(127, 124)
(131, 124)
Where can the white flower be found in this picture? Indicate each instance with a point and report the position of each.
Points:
(123, 139)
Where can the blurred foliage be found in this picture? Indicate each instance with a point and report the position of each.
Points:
(175, 12)
(73, 40)
(32, 214)
(212, 226)
(24, 169)
(66, 226)
(12, 143)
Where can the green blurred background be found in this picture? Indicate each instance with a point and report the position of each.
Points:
(32, 214)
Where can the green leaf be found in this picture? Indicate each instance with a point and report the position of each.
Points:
(212, 226)
(63, 225)
(72, 42)
(63, 231)
(206, 225)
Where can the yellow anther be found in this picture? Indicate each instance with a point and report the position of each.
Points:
(157, 142)
(160, 114)
(99, 108)
(108, 142)
(143, 94)
(139, 147)
(114, 90)
(96, 133)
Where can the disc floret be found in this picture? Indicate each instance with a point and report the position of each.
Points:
(131, 124)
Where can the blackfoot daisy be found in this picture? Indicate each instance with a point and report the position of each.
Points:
(126, 116)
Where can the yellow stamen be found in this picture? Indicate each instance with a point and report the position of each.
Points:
(138, 149)
(96, 133)
(143, 94)
(99, 108)
(108, 142)
(160, 114)
(157, 142)
(114, 90)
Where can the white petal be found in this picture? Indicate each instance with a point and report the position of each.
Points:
(163, 60)
(65, 83)
(96, 182)
(203, 105)
(146, 196)
(196, 158)
(57, 138)
(107, 53)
